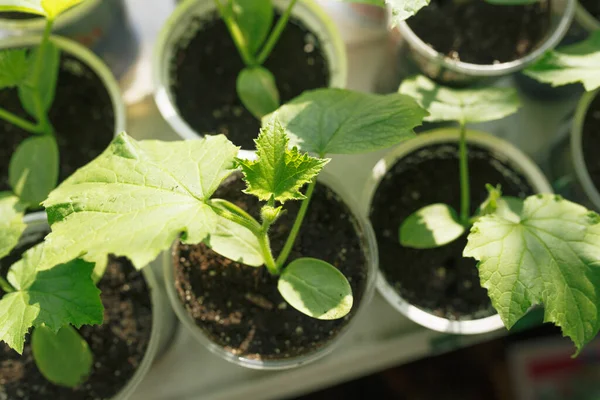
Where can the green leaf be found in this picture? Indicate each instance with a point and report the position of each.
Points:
(48, 8)
(136, 198)
(404, 9)
(316, 288)
(13, 68)
(44, 88)
(511, 2)
(33, 169)
(12, 225)
(257, 90)
(254, 18)
(579, 62)
(55, 297)
(468, 105)
(236, 243)
(546, 251)
(278, 172)
(338, 121)
(63, 357)
(433, 226)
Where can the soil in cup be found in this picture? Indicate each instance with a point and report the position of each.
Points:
(590, 141)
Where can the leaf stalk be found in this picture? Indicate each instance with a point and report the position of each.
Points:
(465, 191)
(236, 35)
(275, 34)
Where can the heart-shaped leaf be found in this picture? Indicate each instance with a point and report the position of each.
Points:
(433, 226)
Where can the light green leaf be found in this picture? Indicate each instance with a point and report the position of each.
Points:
(63, 357)
(468, 105)
(235, 242)
(257, 90)
(43, 88)
(55, 297)
(136, 198)
(316, 288)
(279, 172)
(53, 8)
(13, 68)
(338, 121)
(27, 6)
(579, 62)
(33, 169)
(12, 225)
(404, 9)
(433, 226)
(254, 18)
(549, 254)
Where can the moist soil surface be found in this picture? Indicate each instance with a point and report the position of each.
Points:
(592, 6)
(239, 308)
(204, 72)
(477, 32)
(82, 116)
(439, 281)
(591, 141)
(119, 345)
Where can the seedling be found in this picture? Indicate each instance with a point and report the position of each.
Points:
(541, 250)
(249, 23)
(140, 196)
(33, 168)
(579, 62)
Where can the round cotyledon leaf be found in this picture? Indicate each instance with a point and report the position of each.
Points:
(316, 288)
(432, 226)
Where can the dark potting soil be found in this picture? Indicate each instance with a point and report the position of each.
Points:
(477, 32)
(206, 65)
(82, 116)
(591, 141)
(239, 307)
(592, 6)
(439, 280)
(118, 345)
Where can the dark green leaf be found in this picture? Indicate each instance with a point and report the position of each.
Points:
(316, 288)
(33, 170)
(257, 90)
(432, 226)
(13, 68)
(63, 357)
(254, 18)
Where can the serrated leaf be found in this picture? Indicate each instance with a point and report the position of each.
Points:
(468, 105)
(316, 288)
(12, 226)
(338, 121)
(63, 357)
(13, 68)
(136, 198)
(33, 169)
(254, 18)
(404, 9)
(550, 255)
(432, 226)
(55, 297)
(257, 90)
(579, 62)
(278, 172)
(43, 88)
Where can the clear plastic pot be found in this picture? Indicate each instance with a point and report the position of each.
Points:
(163, 319)
(447, 70)
(370, 249)
(86, 57)
(519, 161)
(177, 28)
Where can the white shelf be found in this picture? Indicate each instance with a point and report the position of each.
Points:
(382, 337)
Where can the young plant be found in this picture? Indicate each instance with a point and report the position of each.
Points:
(541, 250)
(579, 62)
(140, 197)
(249, 23)
(33, 168)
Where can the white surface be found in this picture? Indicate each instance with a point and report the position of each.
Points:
(382, 337)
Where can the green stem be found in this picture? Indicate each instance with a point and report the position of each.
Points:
(289, 244)
(223, 208)
(43, 121)
(265, 247)
(465, 192)
(20, 122)
(236, 35)
(234, 209)
(274, 37)
(7, 287)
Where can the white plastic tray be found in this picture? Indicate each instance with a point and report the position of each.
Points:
(382, 338)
